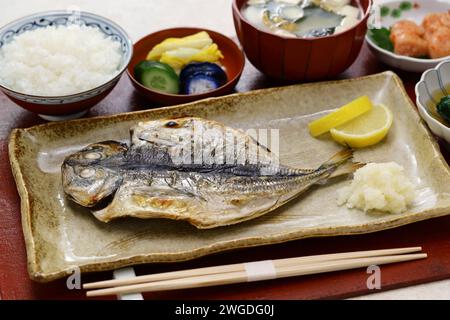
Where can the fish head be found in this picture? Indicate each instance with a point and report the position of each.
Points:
(164, 133)
(91, 174)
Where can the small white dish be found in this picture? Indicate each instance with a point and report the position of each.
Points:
(432, 81)
(419, 9)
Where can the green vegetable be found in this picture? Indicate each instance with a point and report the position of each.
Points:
(381, 38)
(405, 5)
(158, 76)
(443, 108)
(384, 11)
(396, 13)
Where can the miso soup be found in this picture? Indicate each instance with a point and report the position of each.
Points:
(302, 18)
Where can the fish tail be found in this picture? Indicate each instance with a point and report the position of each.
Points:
(337, 165)
(346, 168)
(338, 158)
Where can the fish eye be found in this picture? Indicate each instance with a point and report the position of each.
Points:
(87, 173)
(171, 124)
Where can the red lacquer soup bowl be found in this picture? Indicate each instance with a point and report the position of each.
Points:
(300, 59)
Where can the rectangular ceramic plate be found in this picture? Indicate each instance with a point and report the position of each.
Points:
(60, 235)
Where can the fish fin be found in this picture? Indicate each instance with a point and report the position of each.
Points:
(343, 169)
(346, 168)
(338, 158)
(259, 144)
(336, 165)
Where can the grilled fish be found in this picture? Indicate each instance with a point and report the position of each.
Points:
(188, 169)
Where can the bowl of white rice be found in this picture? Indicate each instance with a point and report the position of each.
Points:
(59, 64)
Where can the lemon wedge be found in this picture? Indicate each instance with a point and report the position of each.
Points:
(366, 130)
(341, 116)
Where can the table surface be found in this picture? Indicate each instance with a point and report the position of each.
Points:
(124, 98)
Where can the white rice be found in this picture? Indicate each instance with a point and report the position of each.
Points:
(57, 61)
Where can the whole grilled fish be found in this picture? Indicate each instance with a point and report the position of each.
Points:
(188, 169)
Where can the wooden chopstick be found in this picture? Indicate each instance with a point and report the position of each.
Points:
(240, 267)
(241, 276)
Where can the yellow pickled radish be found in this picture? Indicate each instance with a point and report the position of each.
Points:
(208, 54)
(198, 40)
(178, 58)
(341, 116)
(366, 130)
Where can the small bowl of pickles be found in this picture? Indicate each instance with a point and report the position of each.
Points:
(181, 65)
(433, 99)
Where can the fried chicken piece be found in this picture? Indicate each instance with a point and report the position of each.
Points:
(437, 33)
(439, 43)
(411, 45)
(406, 26)
(434, 22)
(408, 40)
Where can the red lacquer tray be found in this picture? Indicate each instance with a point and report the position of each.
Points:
(433, 234)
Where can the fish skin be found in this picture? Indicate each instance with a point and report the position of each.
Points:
(153, 179)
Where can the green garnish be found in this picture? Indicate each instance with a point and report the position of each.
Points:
(381, 38)
(384, 11)
(396, 13)
(443, 108)
(405, 5)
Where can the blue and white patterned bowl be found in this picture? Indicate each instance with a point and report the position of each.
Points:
(436, 80)
(75, 105)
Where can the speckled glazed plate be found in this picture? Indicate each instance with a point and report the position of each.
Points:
(60, 235)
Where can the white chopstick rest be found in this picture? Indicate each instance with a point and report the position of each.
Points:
(127, 273)
(260, 270)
